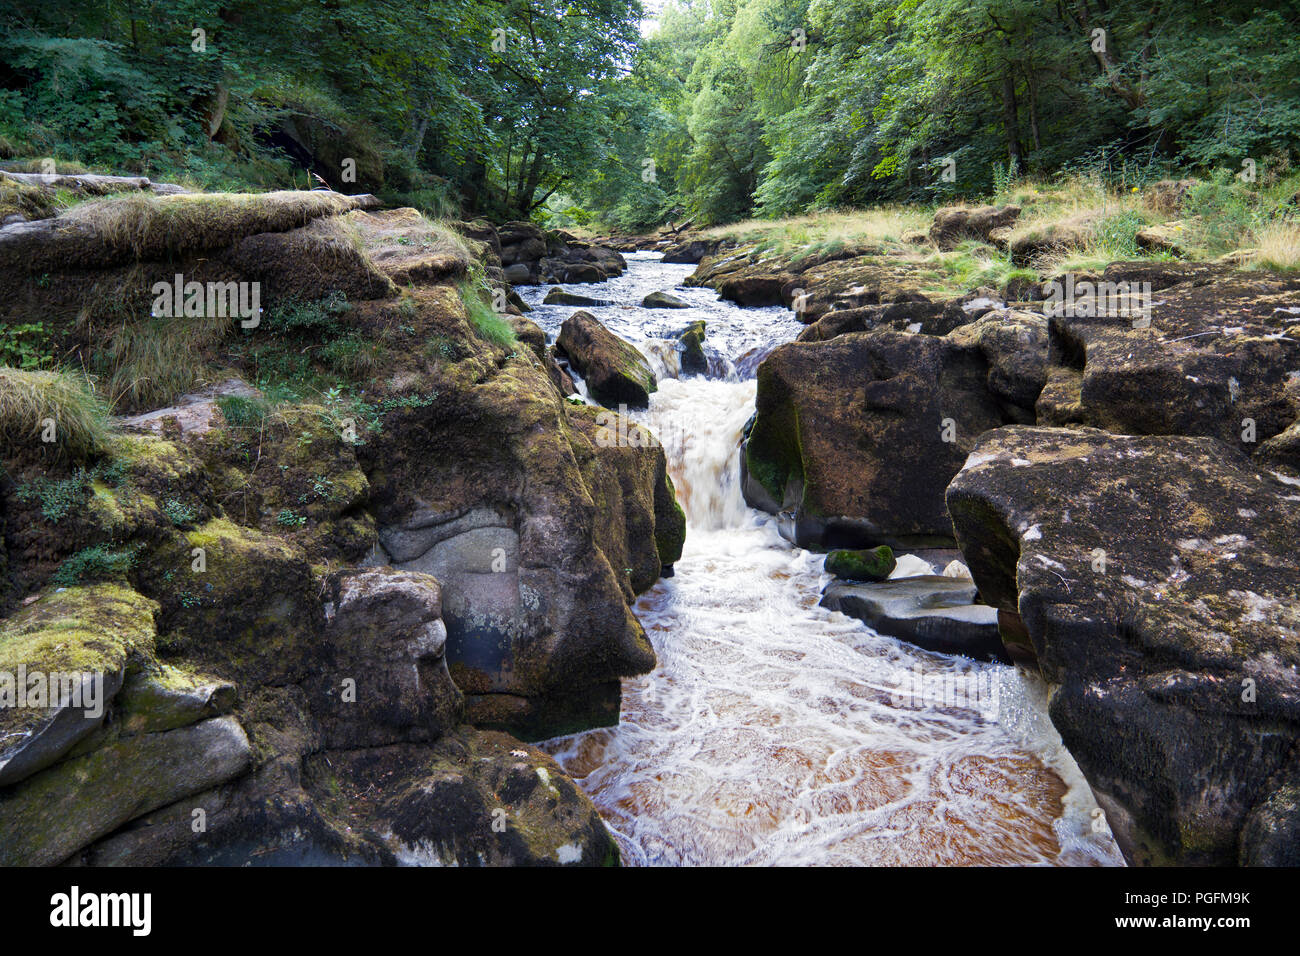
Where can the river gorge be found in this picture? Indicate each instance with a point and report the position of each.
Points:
(770, 732)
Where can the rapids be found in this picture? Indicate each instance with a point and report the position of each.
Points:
(776, 732)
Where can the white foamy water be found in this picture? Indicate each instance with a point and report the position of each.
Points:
(776, 732)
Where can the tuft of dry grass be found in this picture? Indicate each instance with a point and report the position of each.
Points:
(31, 402)
(151, 227)
(848, 227)
(1278, 246)
(147, 363)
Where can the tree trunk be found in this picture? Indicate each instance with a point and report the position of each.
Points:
(1011, 119)
(1033, 110)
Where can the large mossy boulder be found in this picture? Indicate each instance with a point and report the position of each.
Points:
(857, 438)
(1015, 346)
(242, 603)
(292, 472)
(50, 816)
(74, 647)
(541, 525)
(472, 798)
(615, 372)
(1154, 580)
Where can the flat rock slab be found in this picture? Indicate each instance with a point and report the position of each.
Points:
(933, 612)
(195, 414)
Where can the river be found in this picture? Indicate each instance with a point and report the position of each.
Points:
(774, 731)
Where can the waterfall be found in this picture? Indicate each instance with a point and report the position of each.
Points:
(774, 731)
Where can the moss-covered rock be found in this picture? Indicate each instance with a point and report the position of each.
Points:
(48, 817)
(1215, 359)
(294, 474)
(663, 300)
(615, 372)
(694, 361)
(859, 436)
(953, 224)
(539, 532)
(386, 678)
(875, 564)
(479, 799)
(163, 697)
(250, 614)
(81, 639)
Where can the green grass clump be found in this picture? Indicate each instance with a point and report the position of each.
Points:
(148, 363)
(243, 412)
(1117, 234)
(490, 324)
(150, 226)
(30, 400)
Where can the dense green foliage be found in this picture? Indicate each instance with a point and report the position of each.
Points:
(489, 105)
(774, 107)
(561, 110)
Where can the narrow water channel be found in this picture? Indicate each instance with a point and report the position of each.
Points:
(776, 732)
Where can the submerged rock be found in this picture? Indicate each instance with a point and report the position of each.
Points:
(663, 300)
(935, 612)
(560, 297)
(691, 341)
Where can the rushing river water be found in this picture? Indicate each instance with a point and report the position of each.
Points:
(774, 731)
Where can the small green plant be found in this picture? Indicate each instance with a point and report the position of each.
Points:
(58, 496)
(296, 316)
(179, 513)
(25, 345)
(290, 519)
(1005, 178)
(95, 563)
(441, 347)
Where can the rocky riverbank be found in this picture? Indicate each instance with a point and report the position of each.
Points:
(338, 549)
(1118, 467)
